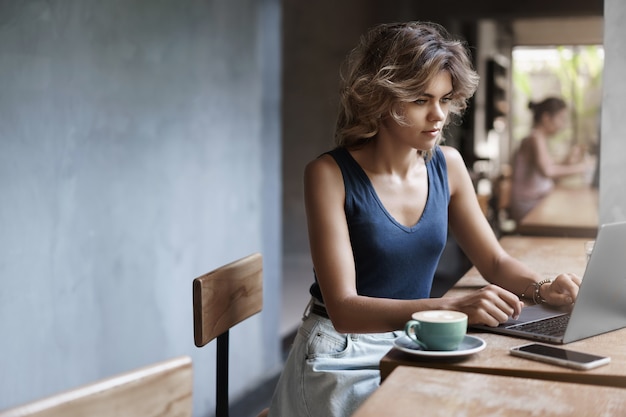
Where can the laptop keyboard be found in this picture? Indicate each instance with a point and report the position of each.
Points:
(553, 326)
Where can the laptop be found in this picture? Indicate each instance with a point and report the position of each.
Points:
(601, 303)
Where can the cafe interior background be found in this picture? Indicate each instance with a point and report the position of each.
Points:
(145, 143)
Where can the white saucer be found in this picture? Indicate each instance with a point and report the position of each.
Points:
(469, 345)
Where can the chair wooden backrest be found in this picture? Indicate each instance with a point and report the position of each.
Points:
(221, 299)
(163, 389)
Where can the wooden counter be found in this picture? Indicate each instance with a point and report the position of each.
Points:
(567, 212)
(438, 393)
(549, 256)
(495, 359)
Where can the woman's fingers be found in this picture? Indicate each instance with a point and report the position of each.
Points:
(504, 301)
(564, 289)
(491, 306)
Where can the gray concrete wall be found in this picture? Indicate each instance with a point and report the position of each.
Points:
(139, 148)
(613, 130)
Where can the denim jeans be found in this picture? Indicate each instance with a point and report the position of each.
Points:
(329, 374)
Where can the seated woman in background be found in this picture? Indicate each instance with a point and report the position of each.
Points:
(534, 170)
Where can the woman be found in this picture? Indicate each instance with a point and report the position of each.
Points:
(378, 209)
(534, 170)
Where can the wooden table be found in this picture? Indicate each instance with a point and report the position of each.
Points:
(434, 392)
(549, 256)
(566, 211)
(495, 359)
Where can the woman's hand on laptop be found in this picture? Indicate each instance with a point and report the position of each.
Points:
(491, 305)
(562, 291)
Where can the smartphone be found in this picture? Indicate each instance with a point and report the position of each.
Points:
(559, 356)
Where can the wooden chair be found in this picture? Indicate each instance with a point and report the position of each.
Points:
(161, 389)
(221, 299)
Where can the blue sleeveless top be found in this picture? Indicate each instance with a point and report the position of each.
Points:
(393, 260)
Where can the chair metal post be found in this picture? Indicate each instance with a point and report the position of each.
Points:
(222, 298)
(221, 381)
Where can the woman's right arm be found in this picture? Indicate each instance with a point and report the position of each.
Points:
(329, 239)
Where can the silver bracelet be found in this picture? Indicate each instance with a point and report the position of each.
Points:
(536, 295)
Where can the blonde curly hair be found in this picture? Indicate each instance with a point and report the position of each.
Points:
(391, 65)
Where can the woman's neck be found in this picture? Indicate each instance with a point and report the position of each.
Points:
(376, 157)
(539, 131)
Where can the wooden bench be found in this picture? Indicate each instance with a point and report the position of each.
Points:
(163, 389)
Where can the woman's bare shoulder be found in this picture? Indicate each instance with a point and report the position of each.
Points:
(323, 188)
(322, 166)
(458, 176)
(453, 156)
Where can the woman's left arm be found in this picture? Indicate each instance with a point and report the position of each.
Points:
(475, 236)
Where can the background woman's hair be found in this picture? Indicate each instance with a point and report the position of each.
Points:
(550, 105)
(391, 65)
